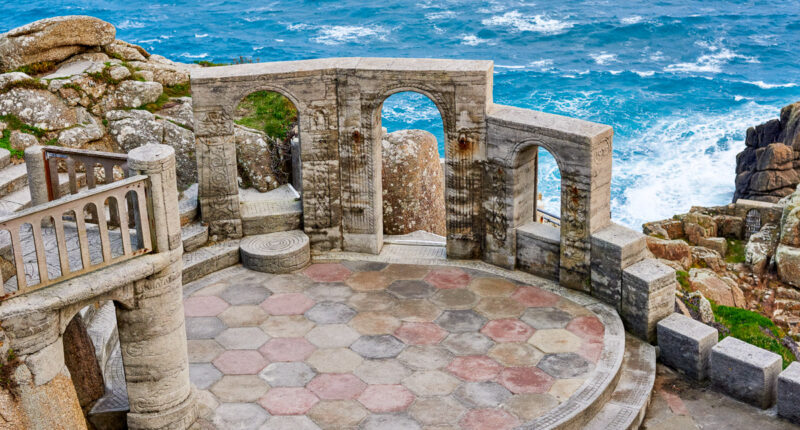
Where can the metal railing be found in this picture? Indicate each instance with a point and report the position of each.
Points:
(72, 159)
(545, 217)
(53, 219)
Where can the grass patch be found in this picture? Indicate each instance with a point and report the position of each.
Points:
(206, 63)
(14, 123)
(28, 84)
(754, 329)
(37, 68)
(735, 251)
(683, 279)
(156, 105)
(179, 90)
(267, 111)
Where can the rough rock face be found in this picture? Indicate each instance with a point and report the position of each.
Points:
(761, 248)
(673, 250)
(413, 183)
(769, 166)
(79, 356)
(52, 39)
(254, 160)
(38, 108)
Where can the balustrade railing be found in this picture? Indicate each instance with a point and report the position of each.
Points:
(72, 160)
(64, 222)
(544, 217)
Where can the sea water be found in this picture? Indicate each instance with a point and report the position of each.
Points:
(680, 81)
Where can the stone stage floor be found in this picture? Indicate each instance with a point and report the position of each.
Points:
(369, 345)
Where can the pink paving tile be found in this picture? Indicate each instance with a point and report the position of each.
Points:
(287, 304)
(587, 328)
(483, 419)
(386, 398)
(337, 386)
(535, 297)
(288, 401)
(420, 333)
(287, 349)
(525, 380)
(591, 351)
(327, 272)
(204, 306)
(475, 368)
(240, 362)
(508, 330)
(448, 278)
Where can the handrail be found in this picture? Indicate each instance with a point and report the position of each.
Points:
(89, 159)
(548, 218)
(79, 204)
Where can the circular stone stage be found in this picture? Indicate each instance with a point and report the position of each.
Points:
(370, 345)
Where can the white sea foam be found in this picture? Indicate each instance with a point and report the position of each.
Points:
(297, 27)
(645, 73)
(188, 55)
(680, 161)
(127, 24)
(200, 36)
(766, 86)
(472, 40)
(338, 34)
(711, 62)
(629, 20)
(603, 58)
(436, 16)
(536, 23)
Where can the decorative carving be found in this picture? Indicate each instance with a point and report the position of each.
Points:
(212, 121)
(497, 216)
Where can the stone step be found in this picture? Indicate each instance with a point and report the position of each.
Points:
(5, 158)
(278, 210)
(187, 205)
(280, 252)
(628, 402)
(194, 236)
(13, 178)
(209, 259)
(21, 199)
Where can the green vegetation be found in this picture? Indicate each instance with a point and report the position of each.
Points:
(268, 111)
(205, 63)
(735, 251)
(8, 366)
(37, 68)
(179, 90)
(28, 84)
(683, 279)
(754, 329)
(240, 60)
(14, 123)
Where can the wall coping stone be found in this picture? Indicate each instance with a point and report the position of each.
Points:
(545, 233)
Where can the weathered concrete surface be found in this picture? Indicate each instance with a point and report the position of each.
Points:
(648, 296)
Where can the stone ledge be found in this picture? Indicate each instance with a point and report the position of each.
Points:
(686, 344)
(745, 372)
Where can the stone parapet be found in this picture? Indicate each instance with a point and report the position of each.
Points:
(745, 372)
(686, 344)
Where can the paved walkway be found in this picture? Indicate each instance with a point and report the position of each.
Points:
(377, 346)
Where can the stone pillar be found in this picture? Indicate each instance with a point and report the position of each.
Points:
(151, 332)
(37, 177)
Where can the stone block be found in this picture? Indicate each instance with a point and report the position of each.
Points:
(718, 244)
(686, 344)
(745, 372)
(614, 249)
(648, 296)
(281, 252)
(46, 363)
(789, 393)
(539, 250)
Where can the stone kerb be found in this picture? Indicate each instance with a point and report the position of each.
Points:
(789, 393)
(648, 296)
(745, 372)
(686, 344)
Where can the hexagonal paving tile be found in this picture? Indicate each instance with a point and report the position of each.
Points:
(554, 341)
(287, 304)
(591, 351)
(288, 401)
(563, 389)
(376, 302)
(386, 398)
(287, 326)
(203, 350)
(569, 365)
(546, 318)
(288, 283)
(588, 328)
(327, 272)
(203, 375)
(242, 338)
(382, 372)
(336, 386)
(416, 311)
(330, 313)
(431, 383)
(535, 297)
(203, 306)
(381, 346)
(292, 374)
(245, 294)
(531, 406)
(374, 323)
(240, 362)
(239, 388)
(389, 421)
(239, 415)
(410, 289)
(406, 271)
(508, 330)
(203, 327)
(485, 394)
(329, 292)
(474, 368)
(448, 278)
(332, 336)
(526, 380)
(492, 287)
(516, 354)
(426, 357)
(364, 266)
(337, 360)
(337, 414)
(460, 298)
(495, 419)
(287, 349)
(420, 333)
(369, 281)
(500, 307)
(438, 410)
(467, 344)
(293, 422)
(243, 316)
(461, 321)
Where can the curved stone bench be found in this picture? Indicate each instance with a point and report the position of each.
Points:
(280, 252)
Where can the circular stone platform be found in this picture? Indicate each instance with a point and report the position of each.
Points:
(368, 345)
(280, 252)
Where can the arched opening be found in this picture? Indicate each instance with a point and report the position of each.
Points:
(548, 189)
(267, 136)
(413, 176)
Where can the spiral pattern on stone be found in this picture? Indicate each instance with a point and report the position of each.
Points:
(275, 243)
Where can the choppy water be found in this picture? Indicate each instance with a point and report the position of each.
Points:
(680, 81)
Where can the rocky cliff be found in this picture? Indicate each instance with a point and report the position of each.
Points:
(769, 167)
